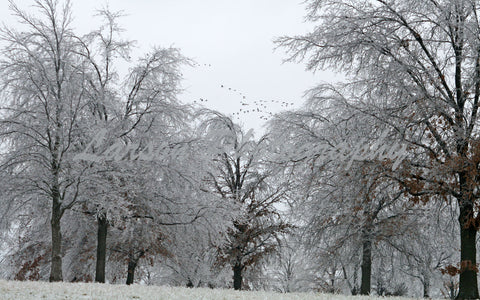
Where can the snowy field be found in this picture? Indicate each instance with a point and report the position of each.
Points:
(45, 290)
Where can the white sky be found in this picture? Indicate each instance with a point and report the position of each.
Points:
(230, 39)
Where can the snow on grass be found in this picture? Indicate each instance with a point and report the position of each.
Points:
(43, 290)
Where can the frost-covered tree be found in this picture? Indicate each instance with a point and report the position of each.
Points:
(415, 67)
(60, 91)
(241, 177)
(139, 111)
(344, 194)
(43, 92)
(425, 256)
(193, 260)
(293, 267)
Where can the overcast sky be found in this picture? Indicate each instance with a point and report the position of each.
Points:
(231, 40)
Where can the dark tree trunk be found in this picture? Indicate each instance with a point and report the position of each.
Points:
(101, 248)
(468, 253)
(237, 277)
(366, 266)
(56, 263)
(132, 265)
(131, 271)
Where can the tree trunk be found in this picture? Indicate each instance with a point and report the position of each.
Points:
(426, 287)
(366, 266)
(132, 265)
(56, 263)
(101, 248)
(131, 271)
(237, 277)
(468, 253)
(354, 289)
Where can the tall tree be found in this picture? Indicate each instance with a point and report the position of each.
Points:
(241, 177)
(43, 81)
(416, 67)
(137, 111)
(61, 90)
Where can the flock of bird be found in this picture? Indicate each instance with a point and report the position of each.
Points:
(247, 107)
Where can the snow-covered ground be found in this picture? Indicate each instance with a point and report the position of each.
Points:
(44, 290)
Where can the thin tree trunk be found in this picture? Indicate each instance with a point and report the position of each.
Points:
(56, 258)
(237, 277)
(366, 266)
(101, 248)
(468, 253)
(355, 289)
